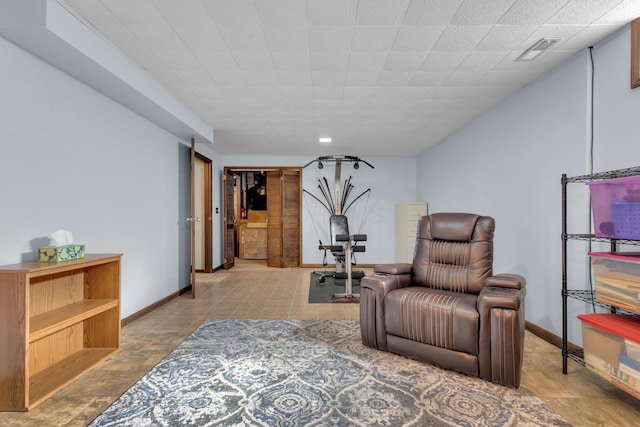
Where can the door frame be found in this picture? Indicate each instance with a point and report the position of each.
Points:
(191, 219)
(237, 169)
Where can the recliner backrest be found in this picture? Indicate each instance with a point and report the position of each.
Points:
(454, 252)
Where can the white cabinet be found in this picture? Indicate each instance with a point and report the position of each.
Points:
(407, 217)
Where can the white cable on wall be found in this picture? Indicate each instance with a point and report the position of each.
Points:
(589, 156)
(589, 113)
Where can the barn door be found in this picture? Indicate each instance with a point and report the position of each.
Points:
(274, 220)
(283, 225)
(229, 220)
(291, 196)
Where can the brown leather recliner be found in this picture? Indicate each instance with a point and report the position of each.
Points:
(447, 308)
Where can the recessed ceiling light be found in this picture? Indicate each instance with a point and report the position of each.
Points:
(535, 50)
(325, 140)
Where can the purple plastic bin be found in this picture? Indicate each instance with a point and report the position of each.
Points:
(616, 207)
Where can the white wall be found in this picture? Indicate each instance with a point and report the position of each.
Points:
(392, 181)
(73, 158)
(617, 108)
(508, 164)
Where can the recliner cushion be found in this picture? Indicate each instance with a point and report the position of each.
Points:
(454, 252)
(440, 318)
(453, 227)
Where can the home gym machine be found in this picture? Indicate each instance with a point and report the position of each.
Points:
(343, 244)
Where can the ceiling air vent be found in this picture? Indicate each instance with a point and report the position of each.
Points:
(535, 50)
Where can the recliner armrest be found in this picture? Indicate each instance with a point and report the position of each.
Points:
(373, 290)
(506, 291)
(495, 297)
(397, 268)
(382, 283)
(511, 281)
(502, 324)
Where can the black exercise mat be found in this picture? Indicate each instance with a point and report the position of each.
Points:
(323, 292)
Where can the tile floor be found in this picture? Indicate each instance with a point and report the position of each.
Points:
(251, 290)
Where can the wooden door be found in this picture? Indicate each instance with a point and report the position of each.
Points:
(204, 214)
(274, 220)
(208, 215)
(291, 197)
(283, 225)
(229, 220)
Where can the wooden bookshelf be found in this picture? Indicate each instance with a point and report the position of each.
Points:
(57, 321)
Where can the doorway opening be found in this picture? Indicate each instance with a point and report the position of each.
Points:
(262, 216)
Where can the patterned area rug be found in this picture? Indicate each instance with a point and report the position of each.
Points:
(302, 372)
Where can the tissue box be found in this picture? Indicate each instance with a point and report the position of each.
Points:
(60, 253)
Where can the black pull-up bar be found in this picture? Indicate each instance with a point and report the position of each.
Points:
(339, 158)
(337, 205)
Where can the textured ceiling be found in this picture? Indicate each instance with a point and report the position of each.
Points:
(381, 77)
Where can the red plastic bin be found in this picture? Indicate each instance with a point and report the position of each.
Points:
(610, 348)
(623, 325)
(616, 207)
